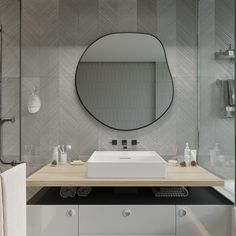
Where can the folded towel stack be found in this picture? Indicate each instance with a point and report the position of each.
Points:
(67, 192)
(84, 191)
(70, 192)
(12, 208)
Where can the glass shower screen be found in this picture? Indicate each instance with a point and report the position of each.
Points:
(9, 81)
(216, 75)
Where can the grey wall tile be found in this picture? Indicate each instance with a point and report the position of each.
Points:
(108, 16)
(30, 122)
(10, 108)
(76, 126)
(127, 15)
(49, 26)
(186, 112)
(10, 82)
(186, 71)
(30, 38)
(81, 22)
(9, 19)
(40, 66)
(147, 16)
(206, 46)
(68, 37)
(89, 20)
(186, 41)
(167, 133)
(166, 30)
(49, 113)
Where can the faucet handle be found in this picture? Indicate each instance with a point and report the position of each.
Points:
(134, 142)
(126, 212)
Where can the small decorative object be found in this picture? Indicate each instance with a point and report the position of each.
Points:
(187, 155)
(172, 162)
(193, 163)
(77, 162)
(34, 103)
(68, 151)
(193, 155)
(182, 164)
(63, 154)
(28, 153)
(54, 163)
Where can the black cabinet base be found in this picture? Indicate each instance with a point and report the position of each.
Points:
(131, 196)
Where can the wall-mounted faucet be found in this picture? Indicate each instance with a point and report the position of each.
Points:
(134, 142)
(125, 143)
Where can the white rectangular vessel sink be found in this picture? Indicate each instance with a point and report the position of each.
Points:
(126, 164)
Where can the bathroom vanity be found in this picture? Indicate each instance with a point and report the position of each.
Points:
(108, 212)
(142, 94)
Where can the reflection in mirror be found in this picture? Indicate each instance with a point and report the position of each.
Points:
(123, 80)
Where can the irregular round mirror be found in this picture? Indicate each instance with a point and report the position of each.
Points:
(123, 80)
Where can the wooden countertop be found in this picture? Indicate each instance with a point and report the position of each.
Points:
(68, 175)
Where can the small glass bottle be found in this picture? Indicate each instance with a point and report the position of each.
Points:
(187, 155)
(68, 151)
(55, 154)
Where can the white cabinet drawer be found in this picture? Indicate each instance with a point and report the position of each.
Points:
(210, 220)
(126, 219)
(50, 220)
(127, 235)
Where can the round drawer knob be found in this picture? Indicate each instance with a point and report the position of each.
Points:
(182, 212)
(70, 212)
(126, 212)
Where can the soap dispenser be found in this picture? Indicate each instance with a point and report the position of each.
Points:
(187, 155)
(55, 154)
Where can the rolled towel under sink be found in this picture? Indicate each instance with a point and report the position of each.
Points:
(66, 192)
(84, 191)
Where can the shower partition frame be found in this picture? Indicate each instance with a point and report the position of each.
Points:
(230, 195)
(2, 161)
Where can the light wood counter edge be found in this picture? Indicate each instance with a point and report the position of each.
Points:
(67, 175)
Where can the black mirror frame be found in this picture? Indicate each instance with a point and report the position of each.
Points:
(81, 101)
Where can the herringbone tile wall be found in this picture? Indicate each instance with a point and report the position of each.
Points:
(54, 35)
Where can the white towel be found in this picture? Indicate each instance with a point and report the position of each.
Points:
(13, 184)
(1, 211)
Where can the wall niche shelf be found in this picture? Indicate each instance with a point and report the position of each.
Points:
(227, 54)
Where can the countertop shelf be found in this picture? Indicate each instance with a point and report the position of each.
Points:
(68, 175)
(141, 196)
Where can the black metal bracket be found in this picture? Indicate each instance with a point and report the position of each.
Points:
(12, 120)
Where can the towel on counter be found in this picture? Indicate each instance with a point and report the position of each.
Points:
(13, 196)
(1, 211)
